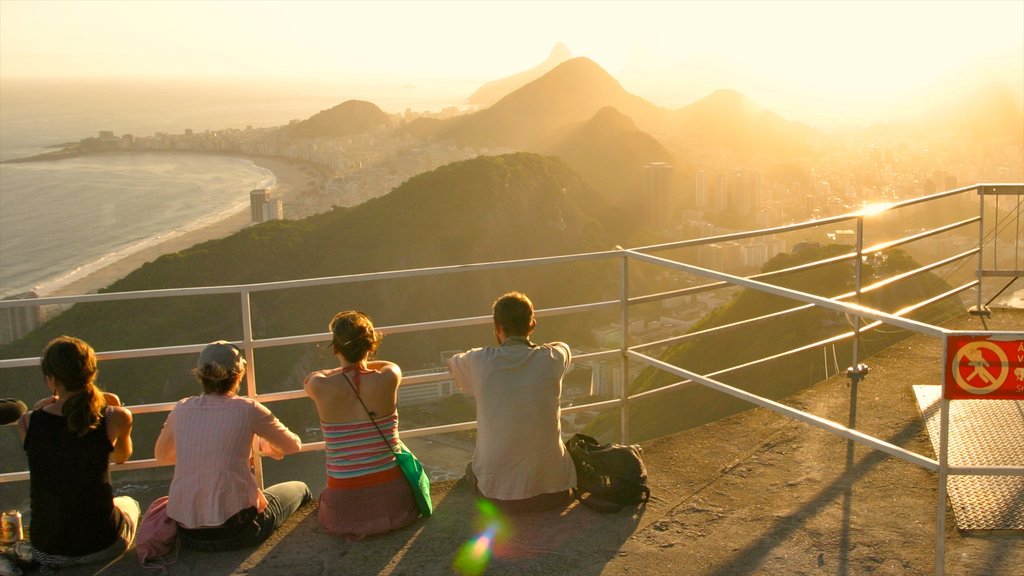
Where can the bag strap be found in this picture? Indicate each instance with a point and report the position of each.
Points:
(370, 414)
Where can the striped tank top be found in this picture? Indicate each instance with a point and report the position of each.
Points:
(356, 449)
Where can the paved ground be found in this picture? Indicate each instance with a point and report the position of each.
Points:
(753, 494)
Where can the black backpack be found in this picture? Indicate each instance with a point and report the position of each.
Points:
(610, 475)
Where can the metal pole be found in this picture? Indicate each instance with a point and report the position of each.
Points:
(857, 370)
(624, 318)
(940, 512)
(980, 310)
(250, 378)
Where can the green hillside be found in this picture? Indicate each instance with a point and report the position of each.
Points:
(677, 410)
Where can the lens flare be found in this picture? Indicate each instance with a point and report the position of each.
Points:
(474, 556)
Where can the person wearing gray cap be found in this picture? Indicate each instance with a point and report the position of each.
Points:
(214, 496)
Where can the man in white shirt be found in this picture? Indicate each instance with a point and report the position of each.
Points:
(520, 461)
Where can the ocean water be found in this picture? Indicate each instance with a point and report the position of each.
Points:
(60, 220)
(63, 219)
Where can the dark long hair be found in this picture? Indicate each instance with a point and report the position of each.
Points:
(72, 362)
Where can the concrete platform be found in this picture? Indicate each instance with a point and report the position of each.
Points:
(755, 494)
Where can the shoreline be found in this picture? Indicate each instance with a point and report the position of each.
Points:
(291, 180)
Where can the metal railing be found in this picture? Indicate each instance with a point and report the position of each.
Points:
(863, 319)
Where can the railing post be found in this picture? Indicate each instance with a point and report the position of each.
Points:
(624, 318)
(940, 512)
(980, 309)
(857, 370)
(250, 377)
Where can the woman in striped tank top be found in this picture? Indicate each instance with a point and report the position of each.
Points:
(366, 492)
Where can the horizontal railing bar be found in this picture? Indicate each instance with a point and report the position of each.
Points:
(599, 354)
(1000, 189)
(936, 196)
(751, 234)
(797, 350)
(854, 309)
(990, 273)
(119, 354)
(307, 282)
(987, 470)
(904, 275)
(152, 408)
(804, 225)
(723, 327)
(805, 417)
(593, 405)
(921, 235)
(723, 284)
(803, 267)
(811, 346)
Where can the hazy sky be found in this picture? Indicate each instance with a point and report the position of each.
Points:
(833, 53)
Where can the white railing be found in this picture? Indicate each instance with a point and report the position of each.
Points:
(627, 352)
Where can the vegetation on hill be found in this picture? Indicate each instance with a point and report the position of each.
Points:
(346, 119)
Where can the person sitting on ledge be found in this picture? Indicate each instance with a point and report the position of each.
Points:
(366, 492)
(520, 462)
(70, 438)
(214, 497)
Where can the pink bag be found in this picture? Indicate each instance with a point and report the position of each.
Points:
(156, 542)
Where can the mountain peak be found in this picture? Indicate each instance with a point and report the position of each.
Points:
(495, 90)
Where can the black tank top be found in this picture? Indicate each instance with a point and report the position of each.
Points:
(73, 510)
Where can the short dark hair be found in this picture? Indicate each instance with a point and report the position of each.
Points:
(513, 312)
(353, 335)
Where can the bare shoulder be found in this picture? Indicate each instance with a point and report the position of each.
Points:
(119, 415)
(391, 370)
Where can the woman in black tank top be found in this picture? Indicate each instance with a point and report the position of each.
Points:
(70, 438)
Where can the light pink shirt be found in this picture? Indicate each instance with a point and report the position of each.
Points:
(209, 439)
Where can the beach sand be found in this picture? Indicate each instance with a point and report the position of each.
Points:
(293, 178)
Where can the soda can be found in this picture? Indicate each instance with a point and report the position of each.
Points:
(12, 531)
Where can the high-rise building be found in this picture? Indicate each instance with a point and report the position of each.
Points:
(17, 322)
(273, 210)
(700, 193)
(257, 198)
(659, 203)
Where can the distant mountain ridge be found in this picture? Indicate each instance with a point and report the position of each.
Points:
(727, 119)
(495, 90)
(575, 90)
(572, 92)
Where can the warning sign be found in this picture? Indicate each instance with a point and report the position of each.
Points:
(984, 366)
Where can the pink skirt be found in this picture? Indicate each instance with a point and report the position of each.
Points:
(355, 513)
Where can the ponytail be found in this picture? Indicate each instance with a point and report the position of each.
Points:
(72, 362)
(83, 410)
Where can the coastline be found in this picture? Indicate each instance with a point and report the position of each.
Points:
(291, 180)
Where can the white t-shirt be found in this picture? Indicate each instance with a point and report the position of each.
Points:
(517, 386)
